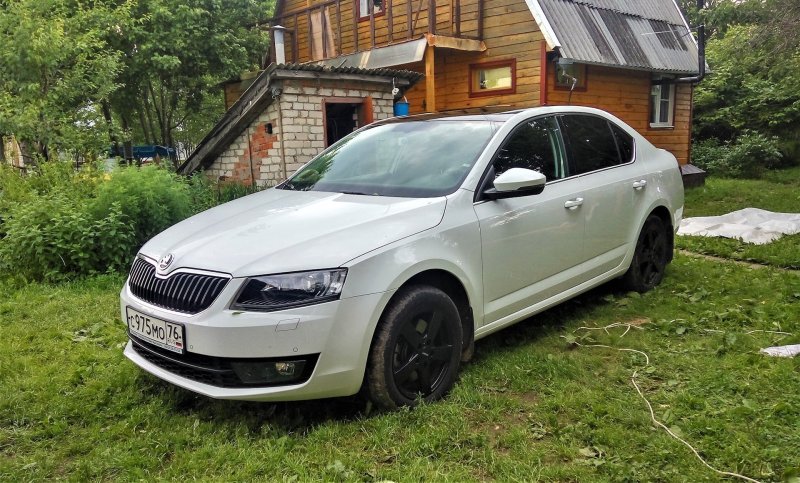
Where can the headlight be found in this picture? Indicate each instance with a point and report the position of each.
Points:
(276, 292)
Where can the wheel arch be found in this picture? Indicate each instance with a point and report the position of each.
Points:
(664, 214)
(451, 285)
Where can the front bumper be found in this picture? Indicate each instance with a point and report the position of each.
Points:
(337, 335)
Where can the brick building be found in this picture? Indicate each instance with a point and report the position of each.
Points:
(291, 113)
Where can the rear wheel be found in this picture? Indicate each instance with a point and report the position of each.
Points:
(650, 258)
(417, 349)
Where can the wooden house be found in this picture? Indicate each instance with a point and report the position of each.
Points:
(633, 58)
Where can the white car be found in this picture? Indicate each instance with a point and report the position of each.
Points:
(382, 260)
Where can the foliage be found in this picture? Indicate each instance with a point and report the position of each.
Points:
(57, 68)
(49, 238)
(176, 54)
(58, 223)
(150, 198)
(746, 157)
(754, 55)
(79, 75)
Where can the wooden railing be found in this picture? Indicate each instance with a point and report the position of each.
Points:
(341, 31)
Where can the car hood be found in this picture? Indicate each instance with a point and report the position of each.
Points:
(276, 231)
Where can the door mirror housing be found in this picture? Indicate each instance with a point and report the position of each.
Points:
(516, 182)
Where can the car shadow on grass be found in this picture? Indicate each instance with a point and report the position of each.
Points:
(299, 417)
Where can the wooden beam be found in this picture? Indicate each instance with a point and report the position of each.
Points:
(480, 19)
(432, 16)
(430, 79)
(389, 19)
(356, 13)
(447, 42)
(408, 19)
(543, 74)
(457, 18)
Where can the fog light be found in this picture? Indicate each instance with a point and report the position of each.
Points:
(285, 368)
(264, 372)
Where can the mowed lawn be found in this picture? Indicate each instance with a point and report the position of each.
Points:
(536, 403)
(779, 191)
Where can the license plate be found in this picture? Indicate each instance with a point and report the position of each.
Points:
(167, 335)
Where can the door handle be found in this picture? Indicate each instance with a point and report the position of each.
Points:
(573, 204)
(638, 185)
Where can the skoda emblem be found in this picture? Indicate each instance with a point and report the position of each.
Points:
(165, 261)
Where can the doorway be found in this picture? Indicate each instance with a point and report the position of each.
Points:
(343, 116)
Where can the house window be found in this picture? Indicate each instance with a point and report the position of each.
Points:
(570, 76)
(492, 78)
(662, 105)
(365, 5)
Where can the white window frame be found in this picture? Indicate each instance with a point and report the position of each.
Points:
(656, 109)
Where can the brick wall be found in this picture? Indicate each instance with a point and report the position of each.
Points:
(255, 155)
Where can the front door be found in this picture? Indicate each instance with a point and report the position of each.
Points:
(530, 243)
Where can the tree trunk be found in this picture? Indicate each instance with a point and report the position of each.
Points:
(150, 123)
(110, 123)
(145, 128)
(127, 146)
(2, 149)
(25, 153)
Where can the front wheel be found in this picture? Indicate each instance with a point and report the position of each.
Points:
(417, 349)
(650, 258)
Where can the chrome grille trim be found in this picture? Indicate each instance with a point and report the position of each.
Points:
(182, 291)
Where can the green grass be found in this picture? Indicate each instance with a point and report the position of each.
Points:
(530, 406)
(777, 191)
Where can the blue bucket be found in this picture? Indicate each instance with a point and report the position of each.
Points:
(401, 108)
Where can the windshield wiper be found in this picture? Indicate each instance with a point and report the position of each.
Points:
(358, 193)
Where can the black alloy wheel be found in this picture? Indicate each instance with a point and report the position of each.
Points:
(650, 258)
(417, 349)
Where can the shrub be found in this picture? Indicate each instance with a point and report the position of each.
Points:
(151, 199)
(746, 157)
(57, 223)
(51, 238)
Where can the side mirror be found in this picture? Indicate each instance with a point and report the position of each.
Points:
(516, 182)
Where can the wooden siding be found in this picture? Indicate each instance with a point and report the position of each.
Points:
(510, 32)
(626, 94)
(453, 17)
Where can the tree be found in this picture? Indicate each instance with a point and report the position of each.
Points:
(754, 55)
(176, 54)
(57, 69)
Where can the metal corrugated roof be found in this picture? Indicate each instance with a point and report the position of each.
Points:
(637, 34)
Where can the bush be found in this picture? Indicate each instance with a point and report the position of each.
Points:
(746, 157)
(150, 198)
(58, 223)
(50, 238)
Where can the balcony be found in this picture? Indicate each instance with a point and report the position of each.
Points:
(333, 28)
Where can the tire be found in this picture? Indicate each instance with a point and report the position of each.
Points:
(650, 257)
(416, 351)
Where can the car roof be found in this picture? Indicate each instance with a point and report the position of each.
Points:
(499, 114)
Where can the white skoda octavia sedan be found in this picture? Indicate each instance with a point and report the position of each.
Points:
(382, 260)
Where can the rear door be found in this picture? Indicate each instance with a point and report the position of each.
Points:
(530, 243)
(602, 154)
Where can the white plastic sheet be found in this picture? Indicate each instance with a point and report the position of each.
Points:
(751, 225)
(782, 351)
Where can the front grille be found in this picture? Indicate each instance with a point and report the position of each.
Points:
(182, 292)
(214, 371)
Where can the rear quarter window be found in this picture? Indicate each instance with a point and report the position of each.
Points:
(625, 143)
(591, 144)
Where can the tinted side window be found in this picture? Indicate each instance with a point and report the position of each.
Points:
(624, 143)
(533, 145)
(590, 143)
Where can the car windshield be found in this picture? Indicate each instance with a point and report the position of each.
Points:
(408, 159)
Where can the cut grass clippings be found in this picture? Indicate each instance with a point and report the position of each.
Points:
(778, 191)
(532, 405)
